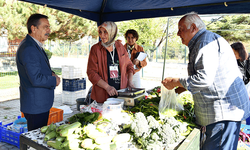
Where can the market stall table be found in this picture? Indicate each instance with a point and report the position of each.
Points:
(35, 138)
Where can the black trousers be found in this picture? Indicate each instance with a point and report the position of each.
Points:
(35, 121)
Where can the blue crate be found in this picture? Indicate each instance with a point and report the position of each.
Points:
(9, 136)
(248, 121)
(74, 84)
(246, 128)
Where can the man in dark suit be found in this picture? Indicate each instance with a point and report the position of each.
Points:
(37, 80)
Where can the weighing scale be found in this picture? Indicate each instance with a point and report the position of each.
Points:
(131, 96)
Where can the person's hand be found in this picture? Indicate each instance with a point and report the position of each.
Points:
(111, 91)
(136, 62)
(179, 90)
(130, 85)
(170, 82)
(58, 80)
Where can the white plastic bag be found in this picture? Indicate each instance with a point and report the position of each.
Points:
(93, 107)
(248, 89)
(169, 105)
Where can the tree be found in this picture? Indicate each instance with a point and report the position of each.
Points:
(14, 15)
(232, 28)
(149, 31)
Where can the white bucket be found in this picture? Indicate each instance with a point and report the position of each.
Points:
(112, 106)
(117, 100)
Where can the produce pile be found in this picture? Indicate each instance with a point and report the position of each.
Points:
(244, 138)
(144, 130)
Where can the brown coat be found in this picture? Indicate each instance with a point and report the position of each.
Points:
(136, 49)
(97, 69)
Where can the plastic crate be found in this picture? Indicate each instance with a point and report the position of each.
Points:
(248, 121)
(71, 72)
(69, 98)
(74, 84)
(9, 136)
(55, 115)
(246, 128)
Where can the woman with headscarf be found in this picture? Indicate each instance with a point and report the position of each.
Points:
(133, 49)
(109, 67)
(242, 59)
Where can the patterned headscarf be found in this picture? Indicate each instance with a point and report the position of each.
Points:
(112, 32)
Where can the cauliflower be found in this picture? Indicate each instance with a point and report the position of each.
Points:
(155, 136)
(167, 134)
(140, 125)
(154, 124)
(155, 146)
(151, 134)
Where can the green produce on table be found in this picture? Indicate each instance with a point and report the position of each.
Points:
(170, 112)
(74, 144)
(72, 137)
(155, 91)
(50, 135)
(106, 147)
(60, 139)
(44, 129)
(187, 114)
(69, 129)
(125, 126)
(51, 127)
(55, 144)
(147, 107)
(102, 125)
(93, 133)
(87, 143)
(65, 144)
(122, 138)
(189, 130)
(103, 140)
(92, 147)
(147, 132)
(84, 118)
(58, 129)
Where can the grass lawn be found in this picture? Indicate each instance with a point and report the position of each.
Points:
(11, 79)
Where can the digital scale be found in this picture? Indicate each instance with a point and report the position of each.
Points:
(131, 96)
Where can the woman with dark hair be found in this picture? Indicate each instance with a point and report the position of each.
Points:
(242, 60)
(133, 51)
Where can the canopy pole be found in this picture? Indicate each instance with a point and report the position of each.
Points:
(165, 52)
(104, 2)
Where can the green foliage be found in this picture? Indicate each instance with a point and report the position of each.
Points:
(149, 30)
(153, 30)
(58, 71)
(233, 27)
(14, 15)
(48, 53)
(66, 48)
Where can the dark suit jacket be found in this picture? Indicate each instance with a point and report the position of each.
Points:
(36, 81)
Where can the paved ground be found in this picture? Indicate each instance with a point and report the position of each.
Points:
(10, 110)
(10, 103)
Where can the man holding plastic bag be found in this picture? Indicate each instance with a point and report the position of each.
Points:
(220, 97)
